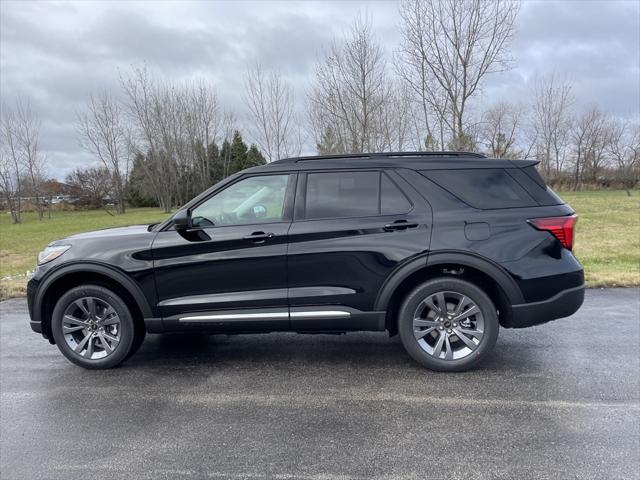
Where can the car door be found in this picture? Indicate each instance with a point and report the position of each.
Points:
(216, 274)
(351, 229)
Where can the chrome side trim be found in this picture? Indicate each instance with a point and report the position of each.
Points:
(300, 314)
(321, 314)
(235, 317)
(319, 291)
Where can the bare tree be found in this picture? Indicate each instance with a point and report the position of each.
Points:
(270, 100)
(103, 132)
(203, 125)
(499, 129)
(10, 165)
(9, 186)
(174, 127)
(351, 92)
(146, 111)
(93, 183)
(551, 122)
(451, 46)
(27, 134)
(412, 67)
(21, 129)
(397, 121)
(624, 148)
(591, 137)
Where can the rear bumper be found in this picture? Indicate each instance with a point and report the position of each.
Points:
(563, 304)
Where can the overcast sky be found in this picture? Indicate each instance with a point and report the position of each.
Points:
(57, 53)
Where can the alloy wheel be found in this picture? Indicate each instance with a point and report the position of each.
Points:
(91, 327)
(448, 325)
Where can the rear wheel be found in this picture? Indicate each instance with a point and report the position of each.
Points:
(448, 325)
(93, 327)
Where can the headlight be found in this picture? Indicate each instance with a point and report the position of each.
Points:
(51, 253)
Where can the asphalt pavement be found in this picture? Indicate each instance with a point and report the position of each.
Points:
(557, 401)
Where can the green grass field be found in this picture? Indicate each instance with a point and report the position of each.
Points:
(607, 241)
(20, 244)
(608, 236)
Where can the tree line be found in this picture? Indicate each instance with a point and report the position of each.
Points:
(159, 142)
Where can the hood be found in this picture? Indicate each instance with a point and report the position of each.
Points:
(110, 232)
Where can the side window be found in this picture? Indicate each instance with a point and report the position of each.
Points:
(252, 200)
(342, 194)
(392, 200)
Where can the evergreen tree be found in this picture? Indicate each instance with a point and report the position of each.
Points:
(225, 158)
(139, 192)
(215, 169)
(254, 157)
(238, 153)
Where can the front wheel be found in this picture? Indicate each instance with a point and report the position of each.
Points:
(93, 327)
(448, 325)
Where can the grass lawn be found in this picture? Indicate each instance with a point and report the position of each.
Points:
(607, 238)
(20, 244)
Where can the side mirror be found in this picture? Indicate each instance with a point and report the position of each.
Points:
(182, 220)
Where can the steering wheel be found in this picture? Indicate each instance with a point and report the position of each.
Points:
(228, 218)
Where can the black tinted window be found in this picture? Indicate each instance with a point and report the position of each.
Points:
(392, 199)
(342, 194)
(482, 188)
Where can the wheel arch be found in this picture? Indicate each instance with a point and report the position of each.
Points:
(492, 278)
(70, 276)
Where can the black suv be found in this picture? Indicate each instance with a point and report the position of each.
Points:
(441, 248)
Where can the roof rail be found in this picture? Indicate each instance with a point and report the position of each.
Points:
(381, 155)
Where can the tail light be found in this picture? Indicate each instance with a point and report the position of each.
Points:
(561, 227)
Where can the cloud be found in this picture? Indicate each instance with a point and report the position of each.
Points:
(56, 54)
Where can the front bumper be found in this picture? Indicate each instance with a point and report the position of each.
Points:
(34, 318)
(563, 304)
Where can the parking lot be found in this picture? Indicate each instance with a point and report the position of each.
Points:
(557, 401)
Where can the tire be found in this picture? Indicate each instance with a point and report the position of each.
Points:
(138, 339)
(451, 341)
(87, 321)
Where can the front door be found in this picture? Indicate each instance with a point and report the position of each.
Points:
(232, 261)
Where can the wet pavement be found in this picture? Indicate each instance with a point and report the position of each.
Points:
(557, 401)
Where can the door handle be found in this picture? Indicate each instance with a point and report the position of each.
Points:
(258, 237)
(399, 225)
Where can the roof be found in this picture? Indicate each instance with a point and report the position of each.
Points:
(411, 160)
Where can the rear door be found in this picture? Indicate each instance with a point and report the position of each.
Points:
(351, 229)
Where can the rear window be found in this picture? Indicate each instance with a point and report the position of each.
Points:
(353, 194)
(342, 194)
(482, 188)
(530, 179)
